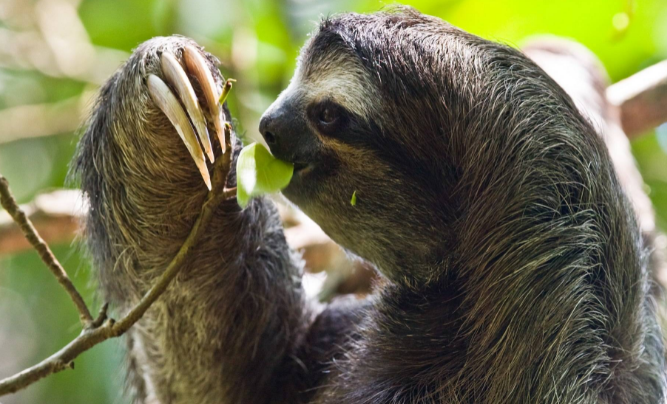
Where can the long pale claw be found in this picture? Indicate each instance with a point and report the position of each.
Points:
(197, 66)
(167, 102)
(176, 76)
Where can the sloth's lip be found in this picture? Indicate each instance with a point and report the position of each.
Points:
(298, 166)
(302, 168)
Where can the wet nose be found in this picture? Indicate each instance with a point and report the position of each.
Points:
(283, 130)
(267, 127)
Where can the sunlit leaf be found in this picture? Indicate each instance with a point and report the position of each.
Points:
(259, 173)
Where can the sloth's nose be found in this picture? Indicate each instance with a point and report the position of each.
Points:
(281, 129)
(267, 129)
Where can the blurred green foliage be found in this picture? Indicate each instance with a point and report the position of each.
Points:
(257, 42)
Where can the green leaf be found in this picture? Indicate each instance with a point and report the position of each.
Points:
(259, 173)
(353, 201)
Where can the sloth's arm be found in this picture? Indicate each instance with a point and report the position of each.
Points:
(234, 326)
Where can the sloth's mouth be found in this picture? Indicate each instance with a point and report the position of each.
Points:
(302, 168)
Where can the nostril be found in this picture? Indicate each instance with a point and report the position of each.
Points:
(269, 137)
(264, 126)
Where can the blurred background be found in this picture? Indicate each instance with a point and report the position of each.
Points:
(54, 54)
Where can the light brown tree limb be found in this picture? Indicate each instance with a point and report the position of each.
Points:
(103, 328)
(31, 121)
(641, 99)
(9, 203)
(54, 216)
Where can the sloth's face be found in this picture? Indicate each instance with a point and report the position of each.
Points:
(336, 127)
(320, 123)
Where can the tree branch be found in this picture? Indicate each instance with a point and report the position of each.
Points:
(30, 121)
(9, 203)
(54, 216)
(103, 328)
(641, 99)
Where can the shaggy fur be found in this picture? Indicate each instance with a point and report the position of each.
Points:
(515, 270)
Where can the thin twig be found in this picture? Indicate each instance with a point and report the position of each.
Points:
(103, 328)
(9, 203)
(210, 205)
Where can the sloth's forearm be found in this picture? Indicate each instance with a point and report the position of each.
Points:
(225, 332)
(228, 325)
(231, 320)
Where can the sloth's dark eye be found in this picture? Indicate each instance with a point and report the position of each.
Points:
(328, 115)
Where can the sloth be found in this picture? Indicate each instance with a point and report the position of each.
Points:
(513, 268)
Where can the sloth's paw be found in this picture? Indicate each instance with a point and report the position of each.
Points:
(189, 97)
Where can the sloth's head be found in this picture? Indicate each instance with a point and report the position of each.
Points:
(393, 107)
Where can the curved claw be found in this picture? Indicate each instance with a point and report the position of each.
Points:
(175, 75)
(168, 103)
(196, 65)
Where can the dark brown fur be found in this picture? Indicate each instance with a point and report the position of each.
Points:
(515, 268)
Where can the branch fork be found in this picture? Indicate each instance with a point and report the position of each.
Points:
(99, 329)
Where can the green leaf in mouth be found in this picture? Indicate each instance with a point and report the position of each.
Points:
(259, 173)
